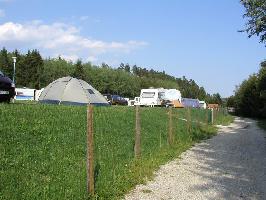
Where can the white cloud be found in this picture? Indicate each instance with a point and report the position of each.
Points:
(2, 13)
(60, 39)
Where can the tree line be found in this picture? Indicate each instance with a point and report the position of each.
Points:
(250, 96)
(249, 99)
(33, 71)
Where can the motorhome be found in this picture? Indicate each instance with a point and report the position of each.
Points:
(152, 97)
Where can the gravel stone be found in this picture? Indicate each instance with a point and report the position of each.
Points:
(231, 165)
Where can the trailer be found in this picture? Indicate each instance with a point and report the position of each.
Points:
(25, 94)
(190, 103)
(152, 97)
(28, 94)
(134, 102)
(172, 98)
(203, 104)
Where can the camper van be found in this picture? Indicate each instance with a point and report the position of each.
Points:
(152, 97)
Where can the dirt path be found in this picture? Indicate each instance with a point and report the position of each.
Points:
(231, 165)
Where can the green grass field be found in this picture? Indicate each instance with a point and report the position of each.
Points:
(43, 148)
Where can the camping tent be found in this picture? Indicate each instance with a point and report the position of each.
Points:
(69, 90)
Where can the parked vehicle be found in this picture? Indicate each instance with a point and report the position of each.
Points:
(115, 99)
(25, 94)
(152, 97)
(203, 104)
(28, 94)
(190, 103)
(7, 88)
(134, 102)
(172, 98)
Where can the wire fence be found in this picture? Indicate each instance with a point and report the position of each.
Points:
(125, 134)
(67, 152)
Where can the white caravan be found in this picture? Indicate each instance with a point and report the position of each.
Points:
(152, 97)
(134, 102)
(28, 94)
(203, 104)
(172, 95)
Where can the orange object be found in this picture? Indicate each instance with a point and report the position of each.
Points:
(213, 106)
(177, 104)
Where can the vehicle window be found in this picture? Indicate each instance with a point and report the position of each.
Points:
(90, 91)
(148, 94)
(161, 95)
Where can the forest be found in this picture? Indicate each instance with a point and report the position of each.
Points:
(249, 99)
(33, 71)
(250, 96)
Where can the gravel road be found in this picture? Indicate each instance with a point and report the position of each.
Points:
(231, 165)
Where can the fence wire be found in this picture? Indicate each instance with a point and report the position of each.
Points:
(43, 147)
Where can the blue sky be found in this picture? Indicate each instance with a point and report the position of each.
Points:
(196, 39)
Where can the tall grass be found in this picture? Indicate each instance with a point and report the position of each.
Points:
(43, 149)
(222, 117)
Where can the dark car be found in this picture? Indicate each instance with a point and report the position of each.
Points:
(7, 88)
(115, 99)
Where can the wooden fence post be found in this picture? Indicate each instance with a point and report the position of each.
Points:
(198, 117)
(212, 115)
(188, 120)
(137, 148)
(90, 167)
(207, 117)
(170, 126)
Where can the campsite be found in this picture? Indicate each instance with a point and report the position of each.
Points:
(49, 158)
(132, 100)
(51, 137)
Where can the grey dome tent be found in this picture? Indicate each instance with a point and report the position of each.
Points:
(69, 90)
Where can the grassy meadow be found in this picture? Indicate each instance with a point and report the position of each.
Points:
(43, 148)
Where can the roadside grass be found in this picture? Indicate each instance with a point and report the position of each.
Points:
(224, 119)
(43, 148)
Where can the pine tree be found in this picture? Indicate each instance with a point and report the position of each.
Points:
(30, 75)
(6, 65)
(79, 70)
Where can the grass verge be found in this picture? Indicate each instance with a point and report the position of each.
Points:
(43, 149)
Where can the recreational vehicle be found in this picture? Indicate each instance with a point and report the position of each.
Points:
(203, 104)
(152, 97)
(190, 103)
(134, 102)
(172, 98)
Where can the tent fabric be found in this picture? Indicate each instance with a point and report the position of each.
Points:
(69, 90)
